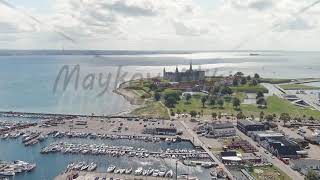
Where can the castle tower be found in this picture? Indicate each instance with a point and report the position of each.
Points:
(177, 69)
(190, 66)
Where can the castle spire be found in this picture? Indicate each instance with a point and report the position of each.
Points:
(190, 66)
(177, 69)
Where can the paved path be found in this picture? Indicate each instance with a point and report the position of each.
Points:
(276, 162)
(200, 143)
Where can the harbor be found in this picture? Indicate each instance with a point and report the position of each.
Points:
(68, 141)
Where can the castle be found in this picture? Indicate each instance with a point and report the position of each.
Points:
(189, 75)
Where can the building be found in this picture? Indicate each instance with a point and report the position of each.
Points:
(283, 147)
(260, 136)
(246, 126)
(162, 130)
(244, 145)
(189, 75)
(216, 130)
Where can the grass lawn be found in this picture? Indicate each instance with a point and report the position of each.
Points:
(152, 109)
(275, 106)
(276, 81)
(298, 86)
(269, 173)
(248, 88)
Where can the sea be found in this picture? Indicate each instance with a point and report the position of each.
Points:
(84, 84)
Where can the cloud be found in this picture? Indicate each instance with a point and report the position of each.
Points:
(295, 24)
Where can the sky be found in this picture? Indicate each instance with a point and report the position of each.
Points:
(160, 24)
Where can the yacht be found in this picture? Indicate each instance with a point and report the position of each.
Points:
(169, 174)
(155, 173)
(111, 169)
(92, 166)
(7, 173)
(138, 171)
(162, 172)
(128, 170)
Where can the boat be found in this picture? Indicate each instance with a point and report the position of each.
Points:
(111, 169)
(7, 173)
(145, 172)
(138, 171)
(150, 171)
(92, 166)
(169, 174)
(155, 173)
(122, 171)
(128, 170)
(84, 167)
(117, 171)
(162, 172)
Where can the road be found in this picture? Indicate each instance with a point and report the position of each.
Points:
(199, 142)
(276, 162)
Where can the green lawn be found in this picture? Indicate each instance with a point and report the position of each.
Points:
(270, 173)
(276, 81)
(248, 88)
(298, 86)
(275, 106)
(152, 109)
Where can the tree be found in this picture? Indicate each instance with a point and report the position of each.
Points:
(269, 117)
(235, 82)
(311, 175)
(212, 101)
(220, 102)
(285, 117)
(157, 96)
(249, 78)
(261, 115)
(214, 115)
(193, 113)
(188, 97)
(239, 74)
(170, 101)
(153, 87)
(311, 118)
(204, 100)
(256, 76)
(243, 81)
(226, 90)
(261, 102)
(236, 103)
(254, 82)
(178, 112)
(240, 115)
(172, 113)
(259, 95)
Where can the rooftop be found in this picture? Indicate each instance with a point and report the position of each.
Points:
(248, 122)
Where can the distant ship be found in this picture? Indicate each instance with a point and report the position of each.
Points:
(254, 54)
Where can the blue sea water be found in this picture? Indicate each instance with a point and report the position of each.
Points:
(27, 82)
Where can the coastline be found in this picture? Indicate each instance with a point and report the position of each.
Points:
(130, 96)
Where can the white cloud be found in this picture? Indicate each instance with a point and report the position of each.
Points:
(164, 24)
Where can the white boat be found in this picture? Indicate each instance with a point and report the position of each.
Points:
(150, 171)
(162, 172)
(7, 173)
(117, 171)
(138, 171)
(111, 169)
(145, 172)
(169, 174)
(128, 170)
(122, 171)
(84, 167)
(155, 173)
(92, 166)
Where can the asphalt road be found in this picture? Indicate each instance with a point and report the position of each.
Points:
(199, 142)
(275, 161)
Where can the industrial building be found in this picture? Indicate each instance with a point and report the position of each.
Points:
(246, 126)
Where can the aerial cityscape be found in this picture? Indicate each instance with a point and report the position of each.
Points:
(149, 89)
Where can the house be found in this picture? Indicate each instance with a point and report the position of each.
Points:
(242, 144)
(161, 130)
(247, 125)
(230, 157)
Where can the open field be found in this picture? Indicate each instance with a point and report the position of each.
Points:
(269, 173)
(298, 86)
(248, 88)
(275, 106)
(152, 109)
